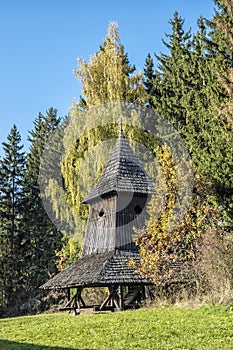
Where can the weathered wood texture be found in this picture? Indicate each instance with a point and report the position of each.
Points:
(100, 230)
(131, 214)
(98, 270)
(123, 173)
(112, 221)
(117, 205)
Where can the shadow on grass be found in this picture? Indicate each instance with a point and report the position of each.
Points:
(11, 345)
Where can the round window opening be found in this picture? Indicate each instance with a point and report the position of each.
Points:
(138, 209)
(101, 213)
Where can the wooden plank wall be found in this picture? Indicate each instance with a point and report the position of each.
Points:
(111, 223)
(100, 230)
(131, 213)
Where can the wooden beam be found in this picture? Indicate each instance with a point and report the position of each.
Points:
(112, 297)
(79, 296)
(121, 298)
(68, 294)
(74, 302)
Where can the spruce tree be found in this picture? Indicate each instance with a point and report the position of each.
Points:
(188, 93)
(149, 77)
(12, 200)
(170, 77)
(45, 238)
(220, 44)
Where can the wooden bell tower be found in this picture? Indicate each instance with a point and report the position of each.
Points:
(118, 202)
(117, 205)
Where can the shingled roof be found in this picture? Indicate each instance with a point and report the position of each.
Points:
(98, 270)
(111, 265)
(123, 173)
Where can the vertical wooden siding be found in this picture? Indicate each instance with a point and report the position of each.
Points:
(112, 221)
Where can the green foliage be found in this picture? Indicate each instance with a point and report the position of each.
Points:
(161, 328)
(107, 80)
(29, 241)
(186, 90)
(163, 245)
(70, 250)
(220, 43)
(12, 237)
(108, 76)
(169, 79)
(45, 239)
(191, 87)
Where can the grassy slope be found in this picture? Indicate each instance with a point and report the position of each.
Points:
(161, 328)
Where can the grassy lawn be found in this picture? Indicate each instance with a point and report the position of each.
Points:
(159, 328)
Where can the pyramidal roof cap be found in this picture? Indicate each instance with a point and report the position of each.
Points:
(123, 173)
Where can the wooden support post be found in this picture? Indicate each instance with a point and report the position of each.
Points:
(79, 297)
(70, 302)
(73, 303)
(105, 302)
(113, 298)
(121, 298)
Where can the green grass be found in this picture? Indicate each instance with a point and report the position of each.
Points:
(159, 328)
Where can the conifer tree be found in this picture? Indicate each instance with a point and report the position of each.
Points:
(220, 44)
(204, 131)
(45, 239)
(150, 76)
(169, 79)
(187, 92)
(12, 200)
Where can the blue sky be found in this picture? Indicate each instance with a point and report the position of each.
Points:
(41, 39)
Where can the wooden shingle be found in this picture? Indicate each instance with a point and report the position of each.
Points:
(118, 205)
(98, 270)
(123, 173)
